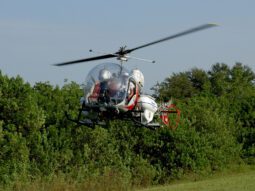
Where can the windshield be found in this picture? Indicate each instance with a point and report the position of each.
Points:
(106, 83)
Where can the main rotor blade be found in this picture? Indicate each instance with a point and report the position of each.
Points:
(86, 59)
(202, 27)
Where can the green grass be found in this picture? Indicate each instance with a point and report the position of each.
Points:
(237, 179)
(234, 182)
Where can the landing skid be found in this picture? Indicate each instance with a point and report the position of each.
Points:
(109, 113)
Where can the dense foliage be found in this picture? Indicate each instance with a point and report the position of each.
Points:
(217, 129)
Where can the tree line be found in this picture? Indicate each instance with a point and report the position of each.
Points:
(216, 130)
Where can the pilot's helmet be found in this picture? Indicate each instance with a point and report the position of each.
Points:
(104, 75)
(138, 76)
(125, 75)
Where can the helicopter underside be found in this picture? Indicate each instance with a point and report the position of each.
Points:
(91, 115)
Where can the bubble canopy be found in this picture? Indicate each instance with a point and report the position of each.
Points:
(106, 83)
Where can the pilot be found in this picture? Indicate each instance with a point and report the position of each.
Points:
(123, 83)
(114, 86)
(104, 77)
(124, 78)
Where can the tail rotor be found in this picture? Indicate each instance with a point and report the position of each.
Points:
(170, 114)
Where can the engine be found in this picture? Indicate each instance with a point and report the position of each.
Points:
(148, 105)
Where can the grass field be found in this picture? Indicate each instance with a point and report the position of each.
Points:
(231, 180)
(235, 182)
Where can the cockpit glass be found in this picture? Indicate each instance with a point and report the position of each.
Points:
(106, 83)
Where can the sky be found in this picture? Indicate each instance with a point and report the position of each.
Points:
(36, 34)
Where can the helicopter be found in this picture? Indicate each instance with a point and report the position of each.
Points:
(113, 92)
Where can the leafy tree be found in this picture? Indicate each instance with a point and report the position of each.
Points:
(216, 130)
(220, 79)
(177, 86)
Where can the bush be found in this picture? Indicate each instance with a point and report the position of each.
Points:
(39, 144)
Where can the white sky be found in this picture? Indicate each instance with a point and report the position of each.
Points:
(36, 34)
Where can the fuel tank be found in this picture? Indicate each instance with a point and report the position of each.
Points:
(148, 105)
